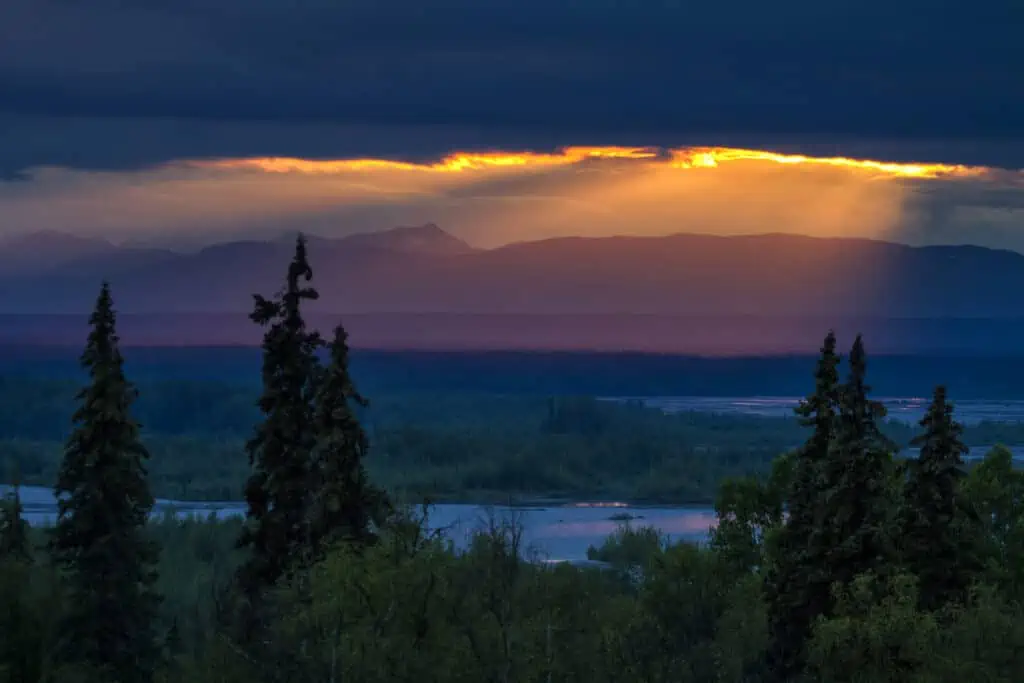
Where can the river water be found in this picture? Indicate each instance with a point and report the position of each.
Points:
(555, 532)
(565, 531)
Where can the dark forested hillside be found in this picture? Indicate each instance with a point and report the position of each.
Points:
(547, 373)
(446, 445)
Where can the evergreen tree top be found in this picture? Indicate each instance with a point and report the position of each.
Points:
(299, 267)
(942, 433)
(288, 302)
(858, 364)
(338, 370)
(859, 413)
(107, 560)
(14, 540)
(101, 347)
(280, 450)
(818, 408)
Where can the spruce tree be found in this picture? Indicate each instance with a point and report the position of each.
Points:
(20, 631)
(935, 544)
(277, 492)
(858, 530)
(347, 507)
(796, 590)
(107, 631)
(21, 639)
(14, 538)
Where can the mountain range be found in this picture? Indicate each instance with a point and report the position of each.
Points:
(571, 292)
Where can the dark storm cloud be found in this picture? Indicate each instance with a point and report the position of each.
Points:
(100, 83)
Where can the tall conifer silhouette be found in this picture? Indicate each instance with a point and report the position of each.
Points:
(107, 631)
(277, 492)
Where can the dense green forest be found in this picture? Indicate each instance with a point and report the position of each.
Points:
(545, 373)
(446, 447)
(838, 562)
(463, 447)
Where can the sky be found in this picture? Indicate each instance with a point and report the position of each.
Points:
(186, 122)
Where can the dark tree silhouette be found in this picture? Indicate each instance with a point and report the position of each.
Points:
(277, 492)
(859, 511)
(346, 507)
(796, 591)
(935, 542)
(107, 631)
(14, 539)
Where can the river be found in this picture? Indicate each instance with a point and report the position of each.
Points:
(554, 532)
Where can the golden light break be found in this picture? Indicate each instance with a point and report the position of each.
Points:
(681, 158)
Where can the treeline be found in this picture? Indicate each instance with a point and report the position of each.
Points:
(546, 373)
(36, 409)
(481, 448)
(446, 447)
(845, 564)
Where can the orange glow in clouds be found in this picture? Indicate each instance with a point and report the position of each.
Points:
(456, 162)
(496, 197)
(683, 158)
(712, 157)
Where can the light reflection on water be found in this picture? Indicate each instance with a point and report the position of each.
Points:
(566, 531)
(687, 522)
(554, 532)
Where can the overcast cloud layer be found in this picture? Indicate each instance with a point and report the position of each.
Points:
(108, 83)
(101, 102)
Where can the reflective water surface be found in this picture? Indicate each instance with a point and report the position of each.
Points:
(552, 532)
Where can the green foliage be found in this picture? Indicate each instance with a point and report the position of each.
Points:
(983, 642)
(14, 543)
(346, 506)
(880, 634)
(277, 491)
(877, 633)
(446, 447)
(107, 625)
(31, 601)
(842, 510)
(797, 589)
(937, 542)
(748, 510)
(630, 549)
(994, 493)
(682, 601)
(857, 529)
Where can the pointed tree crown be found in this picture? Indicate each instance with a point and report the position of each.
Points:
(859, 414)
(101, 348)
(347, 505)
(280, 451)
(942, 433)
(14, 538)
(104, 502)
(818, 409)
(939, 530)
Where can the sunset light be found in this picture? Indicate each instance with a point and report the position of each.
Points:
(712, 157)
(681, 158)
(452, 163)
(453, 329)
